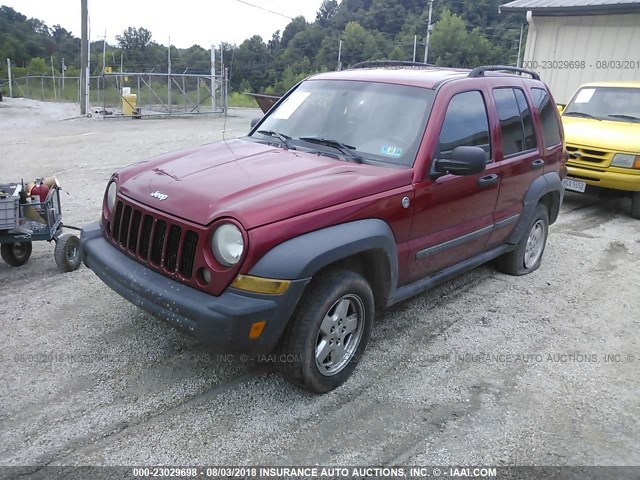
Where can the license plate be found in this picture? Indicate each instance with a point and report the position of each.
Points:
(574, 185)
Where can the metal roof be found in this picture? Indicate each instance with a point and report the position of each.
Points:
(571, 7)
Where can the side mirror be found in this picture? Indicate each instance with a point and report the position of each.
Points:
(463, 161)
(255, 121)
(561, 107)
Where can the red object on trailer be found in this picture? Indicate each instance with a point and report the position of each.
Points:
(40, 190)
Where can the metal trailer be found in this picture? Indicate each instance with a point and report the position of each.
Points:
(22, 223)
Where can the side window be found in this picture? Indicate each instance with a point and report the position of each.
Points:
(548, 116)
(465, 124)
(515, 121)
(527, 120)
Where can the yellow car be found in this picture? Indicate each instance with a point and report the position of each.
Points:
(602, 131)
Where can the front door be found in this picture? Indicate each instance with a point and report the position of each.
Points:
(453, 216)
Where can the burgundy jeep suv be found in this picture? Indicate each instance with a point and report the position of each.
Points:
(357, 190)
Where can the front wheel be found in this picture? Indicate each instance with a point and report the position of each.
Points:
(527, 255)
(328, 331)
(16, 254)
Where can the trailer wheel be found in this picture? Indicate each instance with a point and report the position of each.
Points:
(16, 254)
(67, 253)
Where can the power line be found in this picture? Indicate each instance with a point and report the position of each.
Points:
(265, 9)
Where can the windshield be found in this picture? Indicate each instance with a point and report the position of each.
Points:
(606, 103)
(361, 121)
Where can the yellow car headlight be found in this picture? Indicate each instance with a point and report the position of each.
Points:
(625, 160)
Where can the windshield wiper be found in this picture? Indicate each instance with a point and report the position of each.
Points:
(346, 150)
(581, 114)
(284, 139)
(625, 117)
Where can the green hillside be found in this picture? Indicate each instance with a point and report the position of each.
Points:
(465, 33)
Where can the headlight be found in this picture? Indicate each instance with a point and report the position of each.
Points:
(626, 161)
(227, 244)
(111, 195)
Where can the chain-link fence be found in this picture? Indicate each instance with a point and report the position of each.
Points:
(130, 94)
(43, 87)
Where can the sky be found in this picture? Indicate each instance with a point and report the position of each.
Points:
(187, 22)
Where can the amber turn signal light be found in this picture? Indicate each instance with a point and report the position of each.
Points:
(257, 329)
(269, 286)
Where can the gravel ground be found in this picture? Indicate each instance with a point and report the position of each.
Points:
(485, 369)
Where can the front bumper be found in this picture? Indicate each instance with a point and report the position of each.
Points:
(222, 322)
(629, 182)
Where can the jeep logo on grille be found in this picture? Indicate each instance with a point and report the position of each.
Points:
(159, 196)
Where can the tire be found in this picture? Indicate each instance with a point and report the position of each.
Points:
(67, 253)
(527, 255)
(16, 254)
(326, 307)
(635, 205)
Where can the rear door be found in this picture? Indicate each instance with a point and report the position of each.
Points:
(453, 215)
(551, 130)
(519, 156)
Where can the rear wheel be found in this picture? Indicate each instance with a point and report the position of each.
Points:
(328, 331)
(635, 205)
(527, 255)
(16, 254)
(67, 253)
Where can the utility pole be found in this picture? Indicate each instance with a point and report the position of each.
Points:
(415, 47)
(340, 56)
(53, 80)
(84, 56)
(10, 83)
(63, 67)
(221, 64)
(120, 78)
(213, 78)
(104, 52)
(426, 43)
(169, 76)
(520, 45)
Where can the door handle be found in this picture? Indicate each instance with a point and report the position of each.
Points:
(537, 164)
(487, 180)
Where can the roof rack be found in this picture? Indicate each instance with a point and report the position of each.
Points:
(479, 71)
(391, 63)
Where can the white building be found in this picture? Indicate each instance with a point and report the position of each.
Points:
(571, 42)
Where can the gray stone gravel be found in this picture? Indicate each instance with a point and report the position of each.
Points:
(485, 369)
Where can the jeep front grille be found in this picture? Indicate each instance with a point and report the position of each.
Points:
(164, 245)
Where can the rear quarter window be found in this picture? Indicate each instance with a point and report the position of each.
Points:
(548, 116)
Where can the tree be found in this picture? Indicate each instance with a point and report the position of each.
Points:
(251, 62)
(37, 66)
(275, 43)
(134, 39)
(305, 43)
(452, 46)
(357, 44)
(296, 25)
(326, 12)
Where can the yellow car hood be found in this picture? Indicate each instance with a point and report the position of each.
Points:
(605, 134)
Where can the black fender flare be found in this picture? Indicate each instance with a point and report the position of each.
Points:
(544, 184)
(305, 255)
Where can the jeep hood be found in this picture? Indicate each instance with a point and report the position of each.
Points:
(609, 135)
(252, 182)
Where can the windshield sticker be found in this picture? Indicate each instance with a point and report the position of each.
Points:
(290, 105)
(391, 151)
(585, 95)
